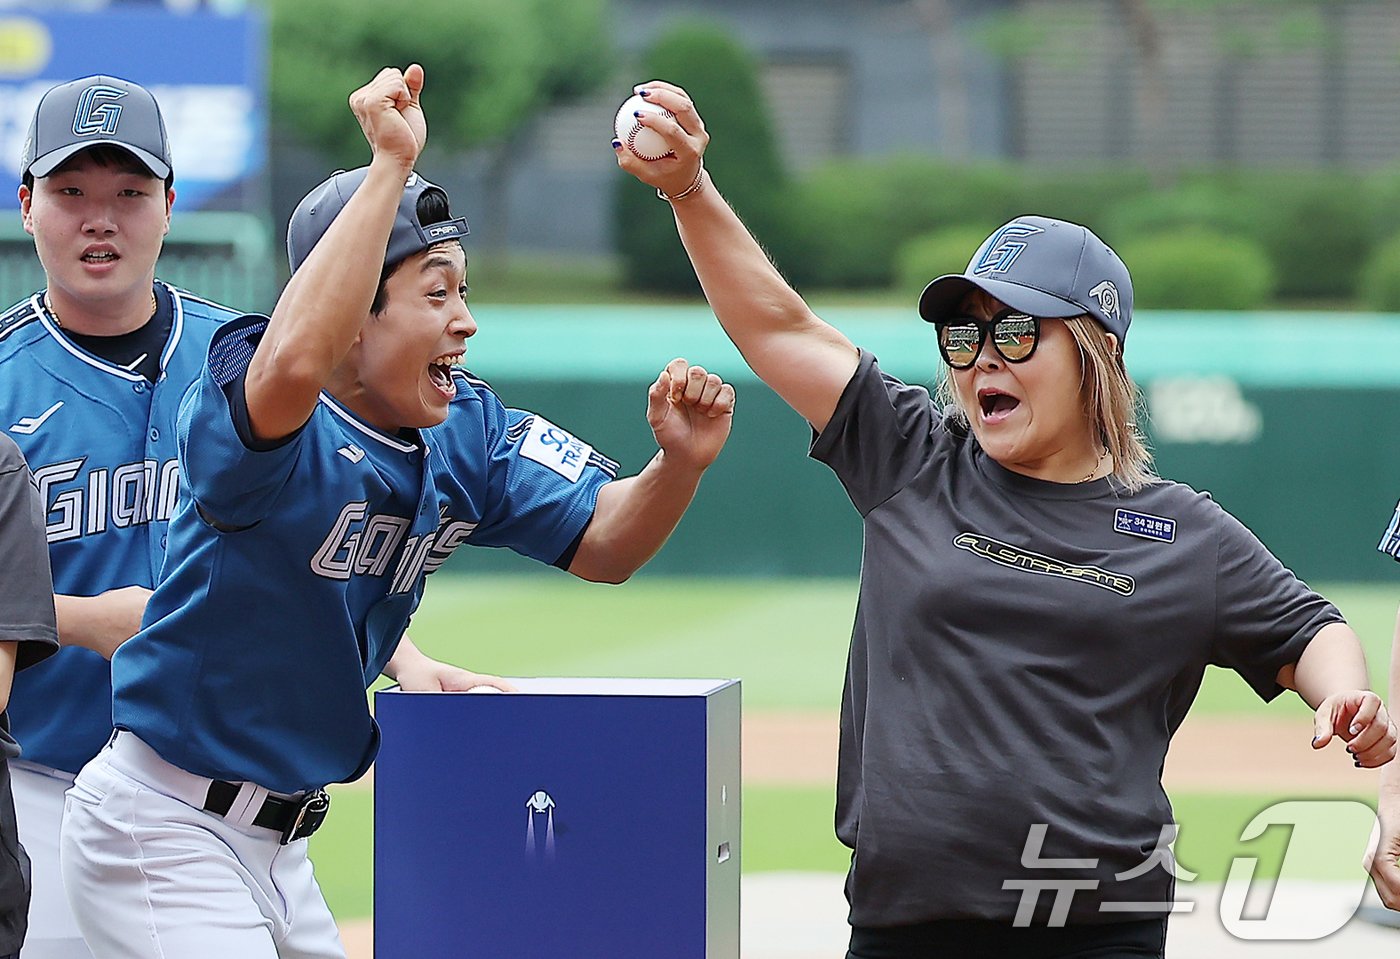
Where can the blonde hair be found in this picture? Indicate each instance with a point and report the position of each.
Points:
(1112, 403)
(1111, 399)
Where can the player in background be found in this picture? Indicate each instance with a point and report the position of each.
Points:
(1036, 608)
(1382, 859)
(92, 369)
(332, 456)
(27, 635)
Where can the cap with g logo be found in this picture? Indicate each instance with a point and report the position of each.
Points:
(1044, 267)
(96, 111)
(316, 211)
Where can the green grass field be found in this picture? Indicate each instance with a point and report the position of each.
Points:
(786, 639)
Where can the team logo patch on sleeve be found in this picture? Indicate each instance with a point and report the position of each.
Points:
(1145, 525)
(555, 449)
(1390, 542)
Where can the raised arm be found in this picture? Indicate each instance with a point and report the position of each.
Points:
(690, 411)
(805, 360)
(322, 308)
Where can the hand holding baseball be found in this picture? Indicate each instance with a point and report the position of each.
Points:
(390, 114)
(637, 138)
(667, 122)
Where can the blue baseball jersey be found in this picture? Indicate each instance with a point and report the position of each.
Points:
(1390, 539)
(293, 571)
(100, 440)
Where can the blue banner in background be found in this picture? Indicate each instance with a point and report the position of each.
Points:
(206, 69)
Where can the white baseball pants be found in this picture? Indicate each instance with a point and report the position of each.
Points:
(53, 932)
(150, 875)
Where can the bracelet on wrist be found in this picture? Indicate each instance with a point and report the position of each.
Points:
(696, 185)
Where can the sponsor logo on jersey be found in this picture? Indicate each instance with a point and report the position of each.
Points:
(1390, 540)
(1023, 559)
(1145, 525)
(1003, 248)
(28, 425)
(98, 111)
(111, 497)
(361, 544)
(351, 452)
(555, 449)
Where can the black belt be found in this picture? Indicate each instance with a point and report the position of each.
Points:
(293, 819)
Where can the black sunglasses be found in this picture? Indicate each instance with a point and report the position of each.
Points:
(1014, 334)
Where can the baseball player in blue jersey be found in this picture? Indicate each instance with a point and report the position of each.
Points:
(92, 369)
(331, 457)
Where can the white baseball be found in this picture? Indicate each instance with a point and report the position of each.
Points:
(485, 689)
(644, 142)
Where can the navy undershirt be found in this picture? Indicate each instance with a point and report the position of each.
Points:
(140, 349)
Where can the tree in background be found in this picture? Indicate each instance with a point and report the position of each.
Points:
(722, 78)
(491, 65)
(1137, 32)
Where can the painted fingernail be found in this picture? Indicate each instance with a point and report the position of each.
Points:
(643, 93)
(617, 144)
(636, 113)
(1355, 728)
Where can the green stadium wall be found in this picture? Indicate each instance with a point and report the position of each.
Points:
(1287, 419)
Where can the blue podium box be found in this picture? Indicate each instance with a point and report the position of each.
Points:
(578, 818)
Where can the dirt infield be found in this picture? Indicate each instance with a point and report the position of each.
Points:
(1208, 754)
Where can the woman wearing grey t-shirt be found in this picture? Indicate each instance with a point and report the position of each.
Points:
(1036, 608)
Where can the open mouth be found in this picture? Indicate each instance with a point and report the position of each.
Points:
(100, 256)
(995, 404)
(440, 373)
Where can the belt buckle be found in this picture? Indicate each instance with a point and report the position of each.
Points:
(310, 815)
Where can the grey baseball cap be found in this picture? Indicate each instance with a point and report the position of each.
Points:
(314, 214)
(1043, 267)
(96, 111)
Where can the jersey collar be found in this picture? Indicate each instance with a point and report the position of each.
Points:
(374, 433)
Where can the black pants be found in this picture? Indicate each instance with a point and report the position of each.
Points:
(977, 939)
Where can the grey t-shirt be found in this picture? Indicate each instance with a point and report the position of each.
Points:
(26, 618)
(1022, 653)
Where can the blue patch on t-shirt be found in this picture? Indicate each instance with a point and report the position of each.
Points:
(1144, 525)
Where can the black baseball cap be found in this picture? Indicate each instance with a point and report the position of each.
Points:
(96, 111)
(314, 214)
(1044, 267)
